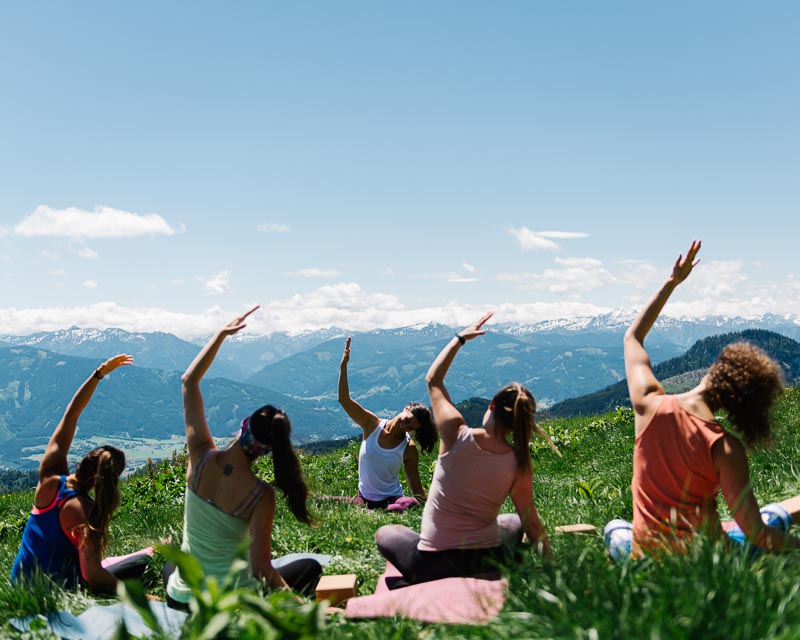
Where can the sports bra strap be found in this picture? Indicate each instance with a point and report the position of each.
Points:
(197, 472)
(253, 497)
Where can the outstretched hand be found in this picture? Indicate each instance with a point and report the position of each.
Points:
(683, 266)
(237, 324)
(475, 330)
(346, 354)
(121, 360)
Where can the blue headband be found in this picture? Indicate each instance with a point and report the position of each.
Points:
(250, 444)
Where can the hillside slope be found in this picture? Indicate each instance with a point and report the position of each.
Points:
(695, 361)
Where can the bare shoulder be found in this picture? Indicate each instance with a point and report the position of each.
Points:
(46, 491)
(73, 513)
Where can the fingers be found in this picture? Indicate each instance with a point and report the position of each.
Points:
(243, 317)
(119, 360)
(347, 344)
(484, 319)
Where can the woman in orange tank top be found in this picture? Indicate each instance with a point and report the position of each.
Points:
(683, 457)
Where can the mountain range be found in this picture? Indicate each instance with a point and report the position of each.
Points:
(682, 373)
(557, 360)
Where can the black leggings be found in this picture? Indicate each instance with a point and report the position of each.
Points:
(398, 544)
(301, 575)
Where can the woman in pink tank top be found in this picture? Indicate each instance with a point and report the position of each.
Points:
(683, 457)
(462, 534)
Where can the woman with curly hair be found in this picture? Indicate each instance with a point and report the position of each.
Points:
(683, 457)
(67, 531)
(385, 446)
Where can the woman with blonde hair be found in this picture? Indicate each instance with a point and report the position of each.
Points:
(462, 534)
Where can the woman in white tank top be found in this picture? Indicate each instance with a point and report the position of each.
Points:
(386, 445)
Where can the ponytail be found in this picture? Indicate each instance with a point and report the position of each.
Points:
(99, 472)
(273, 428)
(514, 411)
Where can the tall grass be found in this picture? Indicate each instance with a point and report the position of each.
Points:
(712, 592)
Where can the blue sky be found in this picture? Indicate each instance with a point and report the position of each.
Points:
(365, 164)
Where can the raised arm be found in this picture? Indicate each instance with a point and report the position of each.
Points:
(367, 420)
(448, 419)
(643, 387)
(198, 435)
(54, 460)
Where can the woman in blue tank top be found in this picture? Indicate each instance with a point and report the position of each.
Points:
(67, 531)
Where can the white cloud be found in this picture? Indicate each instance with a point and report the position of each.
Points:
(455, 277)
(272, 227)
(386, 271)
(716, 279)
(529, 239)
(90, 284)
(176, 281)
(218, 284)
(86, 252)
(58, 273)
(313, 272)
(466, 266)
(103, 222)
(349, 306)
(575, 277)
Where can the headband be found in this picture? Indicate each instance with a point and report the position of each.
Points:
(252, 447)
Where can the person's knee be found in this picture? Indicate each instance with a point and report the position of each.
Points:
(386, 533)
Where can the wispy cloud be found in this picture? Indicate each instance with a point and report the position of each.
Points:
(103, 222)
(466, 266)
(531, 240)
(218, 284)
(716, 279)
(572, 278)
(273, 227)
(314, 272)
(90, 284)
(87, 253)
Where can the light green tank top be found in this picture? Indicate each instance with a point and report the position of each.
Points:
(216, 539)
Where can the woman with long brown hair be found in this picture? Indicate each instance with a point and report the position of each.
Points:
(228, 508)
(462, 533)
(67, 531)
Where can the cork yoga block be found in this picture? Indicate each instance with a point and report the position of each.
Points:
(336, 589)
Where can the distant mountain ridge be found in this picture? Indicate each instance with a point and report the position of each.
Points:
(557, 361)
(691, 366)
(134, 404)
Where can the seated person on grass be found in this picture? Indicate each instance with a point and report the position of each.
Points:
(385, 446)
(683, 457)
(462, 533)
(229, 511)
(67, 531)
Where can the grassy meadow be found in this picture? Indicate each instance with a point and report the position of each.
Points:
(711, 593)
